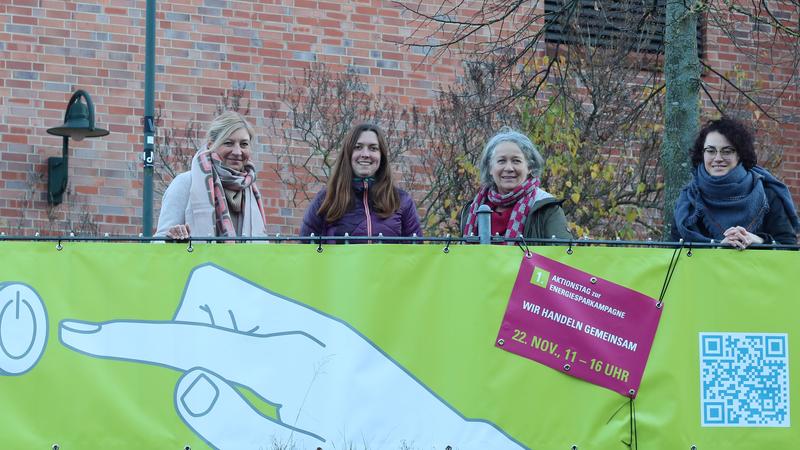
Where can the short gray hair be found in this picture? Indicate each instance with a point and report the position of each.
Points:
(508, 134)
(224, 125)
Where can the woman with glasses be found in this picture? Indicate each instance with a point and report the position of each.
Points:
(730, 198)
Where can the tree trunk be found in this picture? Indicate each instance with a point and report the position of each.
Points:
(682, 108)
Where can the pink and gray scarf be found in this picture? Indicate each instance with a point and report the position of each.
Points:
(522, 198)
(211, 211)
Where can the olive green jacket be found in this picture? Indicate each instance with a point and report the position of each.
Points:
(545, 220)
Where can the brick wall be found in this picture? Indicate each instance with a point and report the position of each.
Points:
(205, 48)
(749, 55)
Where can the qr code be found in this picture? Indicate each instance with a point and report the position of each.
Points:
(744, 380)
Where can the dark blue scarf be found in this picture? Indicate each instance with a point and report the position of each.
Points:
(780, 189)
(709, 205)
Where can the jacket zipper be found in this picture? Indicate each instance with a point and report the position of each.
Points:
(366, 208)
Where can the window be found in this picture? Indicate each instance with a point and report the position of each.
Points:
(635, 23)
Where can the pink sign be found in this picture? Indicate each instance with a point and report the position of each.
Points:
(579, 324)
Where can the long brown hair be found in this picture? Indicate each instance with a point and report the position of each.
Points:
(339, 197)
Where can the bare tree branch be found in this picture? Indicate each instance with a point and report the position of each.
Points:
(322, 106)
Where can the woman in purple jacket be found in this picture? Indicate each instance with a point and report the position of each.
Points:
(361, 198)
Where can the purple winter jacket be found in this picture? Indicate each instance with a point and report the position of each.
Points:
(404, 222)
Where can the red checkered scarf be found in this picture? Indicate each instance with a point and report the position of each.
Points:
(522, 199)
(210, 212)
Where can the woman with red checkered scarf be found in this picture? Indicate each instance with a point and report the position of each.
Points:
(510, 167)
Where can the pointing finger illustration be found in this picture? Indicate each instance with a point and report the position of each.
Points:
(258, 361)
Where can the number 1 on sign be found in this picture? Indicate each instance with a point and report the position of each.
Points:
(540, 277)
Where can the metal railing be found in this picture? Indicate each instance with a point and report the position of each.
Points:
(484, 237)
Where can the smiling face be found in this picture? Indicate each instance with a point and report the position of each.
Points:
(235, 149)
(509, 167)
(719, 156)
(366, 157)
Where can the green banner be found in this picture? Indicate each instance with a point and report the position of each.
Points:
(130, 346)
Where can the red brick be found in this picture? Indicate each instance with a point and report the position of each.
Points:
(24, 20)
(193, 78)
(15, 138)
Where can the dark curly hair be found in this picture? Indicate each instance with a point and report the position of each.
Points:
(740, 137)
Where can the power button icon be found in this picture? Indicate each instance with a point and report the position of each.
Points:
(23, 328)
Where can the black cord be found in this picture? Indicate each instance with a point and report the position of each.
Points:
(673, 263)
(525, 250)
(634, 434)
(633, 437)
(633, 442)
(615, 413)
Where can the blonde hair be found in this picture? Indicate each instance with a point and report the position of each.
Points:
(224, 125)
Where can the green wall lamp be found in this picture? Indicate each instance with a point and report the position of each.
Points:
(78, 124)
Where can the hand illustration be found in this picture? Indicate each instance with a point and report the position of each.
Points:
(330, 385)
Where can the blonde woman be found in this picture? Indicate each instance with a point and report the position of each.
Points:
(218, 195)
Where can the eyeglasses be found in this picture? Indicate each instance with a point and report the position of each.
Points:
(724, 152)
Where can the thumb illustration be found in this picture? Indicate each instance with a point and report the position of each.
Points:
(219, 414)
